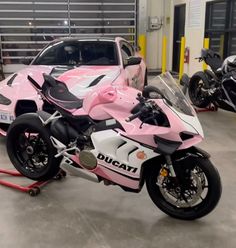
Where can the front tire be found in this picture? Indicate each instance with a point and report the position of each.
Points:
(194, 196)
(197, 84)
(30, 149)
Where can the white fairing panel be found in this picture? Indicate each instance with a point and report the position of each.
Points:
(191, 123)
(120, 154)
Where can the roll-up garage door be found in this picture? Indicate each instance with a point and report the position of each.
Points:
(27, 26)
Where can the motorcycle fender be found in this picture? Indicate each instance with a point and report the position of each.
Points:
(191, 152)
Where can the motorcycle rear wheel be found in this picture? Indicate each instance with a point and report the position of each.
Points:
(195, 196)
(30, 149)
(198, 82)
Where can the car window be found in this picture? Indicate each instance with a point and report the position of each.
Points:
(126, 50)
(78, 53)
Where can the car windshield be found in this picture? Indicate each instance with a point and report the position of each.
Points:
(73, 53)
(174, 95)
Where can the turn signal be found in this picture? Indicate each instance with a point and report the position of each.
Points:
(164, 172)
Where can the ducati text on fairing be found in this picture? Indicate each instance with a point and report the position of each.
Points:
(115, 163)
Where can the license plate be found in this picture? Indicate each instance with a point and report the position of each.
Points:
(6, 118)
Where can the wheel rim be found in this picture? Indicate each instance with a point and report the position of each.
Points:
(191, 192)
(31, 150)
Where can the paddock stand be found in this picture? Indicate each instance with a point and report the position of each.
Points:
(210, 108)
(32, 189)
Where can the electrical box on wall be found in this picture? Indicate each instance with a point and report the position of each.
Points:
(154, 23)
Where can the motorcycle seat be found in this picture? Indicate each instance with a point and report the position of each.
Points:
(58, 93)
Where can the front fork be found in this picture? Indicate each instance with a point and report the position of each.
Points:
(167, 170)
(170, 166)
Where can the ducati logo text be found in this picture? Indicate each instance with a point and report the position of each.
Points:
(115, 163)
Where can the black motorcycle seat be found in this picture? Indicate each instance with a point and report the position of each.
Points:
(214, 63)
(58, 93)
(63, 98)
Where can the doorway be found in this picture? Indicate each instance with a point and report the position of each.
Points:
(179, 27)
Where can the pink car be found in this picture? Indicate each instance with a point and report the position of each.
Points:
(81, 63)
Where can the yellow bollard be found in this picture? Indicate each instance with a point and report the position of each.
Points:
(206, 45)
(142, 43)
(164, 45)
(181, 63)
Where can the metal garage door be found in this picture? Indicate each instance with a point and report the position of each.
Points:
(27, 25)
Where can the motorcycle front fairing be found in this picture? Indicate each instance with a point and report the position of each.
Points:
(180, 114)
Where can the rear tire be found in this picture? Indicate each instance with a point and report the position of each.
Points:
(198, 82)
(30, 149)
(201, 206)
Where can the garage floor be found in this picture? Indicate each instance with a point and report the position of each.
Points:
(77, 213)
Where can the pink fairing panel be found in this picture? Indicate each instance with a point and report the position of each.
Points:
(120, 104)
(97, 98)
(112, 175)
(117, 178)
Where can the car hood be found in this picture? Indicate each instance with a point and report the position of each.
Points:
(17, 85)
(84, 79)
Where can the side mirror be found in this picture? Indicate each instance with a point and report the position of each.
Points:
(152, 92)
(132, 61)
(26, 61)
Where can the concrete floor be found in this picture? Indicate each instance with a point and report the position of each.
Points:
(77, 213)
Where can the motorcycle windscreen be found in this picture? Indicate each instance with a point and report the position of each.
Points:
(169, 88)
(229, 87)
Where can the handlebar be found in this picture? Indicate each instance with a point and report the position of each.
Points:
(132, 117)
(149, 106)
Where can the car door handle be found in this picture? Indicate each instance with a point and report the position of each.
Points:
(178, 41)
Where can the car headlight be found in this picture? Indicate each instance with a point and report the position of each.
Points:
(4, 100)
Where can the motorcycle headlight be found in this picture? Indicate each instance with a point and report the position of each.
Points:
(4, 100)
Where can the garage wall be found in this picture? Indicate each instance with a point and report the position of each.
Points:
(161, 9)
(194, 36)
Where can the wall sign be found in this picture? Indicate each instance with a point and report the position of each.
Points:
(194, 14)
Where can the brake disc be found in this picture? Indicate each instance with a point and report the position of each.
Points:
(174, 195)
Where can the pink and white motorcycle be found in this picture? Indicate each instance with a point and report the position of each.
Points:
(123, 137)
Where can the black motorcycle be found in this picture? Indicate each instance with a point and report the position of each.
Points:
(217, 87)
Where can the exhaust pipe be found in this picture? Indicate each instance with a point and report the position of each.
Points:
(67, 166)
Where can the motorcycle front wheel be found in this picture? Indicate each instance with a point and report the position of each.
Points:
(193, 194)
(197, 85)
(30, 149)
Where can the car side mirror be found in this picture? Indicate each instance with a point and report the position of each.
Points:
(132, 61)
(26, 61)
